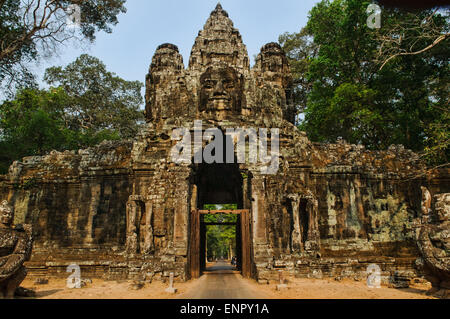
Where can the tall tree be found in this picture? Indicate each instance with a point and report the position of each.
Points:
(89, 105)
(300, 50)
(98, 98)
(350, 97)
(29, 28)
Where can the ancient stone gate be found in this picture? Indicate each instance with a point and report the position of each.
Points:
(127, 209)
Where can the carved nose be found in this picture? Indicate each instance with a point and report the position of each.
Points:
(218, 90)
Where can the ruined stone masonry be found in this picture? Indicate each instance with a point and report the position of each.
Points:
(124, 209)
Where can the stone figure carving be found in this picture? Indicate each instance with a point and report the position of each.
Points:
(221, 92)
(166, 93)
(274, 75)
(312, 241)
(296, 236)
(149, 246)
(426, 202)
(139, 226)
(15, 249)
(312, 207)
(433, 241)
(132, 236)
(274, 64)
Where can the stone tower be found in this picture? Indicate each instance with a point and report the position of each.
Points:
(218, 52)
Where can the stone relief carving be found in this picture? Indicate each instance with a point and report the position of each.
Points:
(15, 248)
(433, 240)
(310, 213)
(221, 91)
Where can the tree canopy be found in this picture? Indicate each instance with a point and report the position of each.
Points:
(98, 99)
(33, 28)
(346, 94)
(86, 105)
(220, 239)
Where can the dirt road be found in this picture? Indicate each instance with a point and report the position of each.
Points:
(221, 281)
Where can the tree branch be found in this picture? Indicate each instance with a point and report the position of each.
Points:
(436, 42)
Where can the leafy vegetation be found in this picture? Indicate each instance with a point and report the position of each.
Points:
(89, 105)
(347, 88)
(33, 29)
(220, 239)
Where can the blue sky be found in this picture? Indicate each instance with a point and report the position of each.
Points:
(128, 50)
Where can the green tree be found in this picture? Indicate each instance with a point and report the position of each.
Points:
(90, 105)
(348, 96)
(29, 29)
(219, 238)
(300, 50)
(98, 99)
(342, 102)
(30, 125)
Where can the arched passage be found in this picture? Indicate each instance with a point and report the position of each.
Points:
(218, 185)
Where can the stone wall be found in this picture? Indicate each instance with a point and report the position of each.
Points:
(75, 202)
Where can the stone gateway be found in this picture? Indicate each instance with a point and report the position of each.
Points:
(126, 210)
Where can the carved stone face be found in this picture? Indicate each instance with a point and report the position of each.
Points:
(6, 214)
(273, 62)
(220, 91)
(167, 59)
(272, 58)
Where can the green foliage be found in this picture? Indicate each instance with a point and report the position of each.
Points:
(347, 96)
(437, 150)
(222, 218)
(12, 28)
(32, 29)
(98, 99)
(98, 15)
(80, 113)
(300, 51)
(219, 206)
(219, 239)
(30, 126)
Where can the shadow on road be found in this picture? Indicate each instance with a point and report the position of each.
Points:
(220, 267)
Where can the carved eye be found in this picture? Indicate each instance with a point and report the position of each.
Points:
(208, 85)
(228, 84)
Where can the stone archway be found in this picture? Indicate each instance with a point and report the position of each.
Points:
(218, 184)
